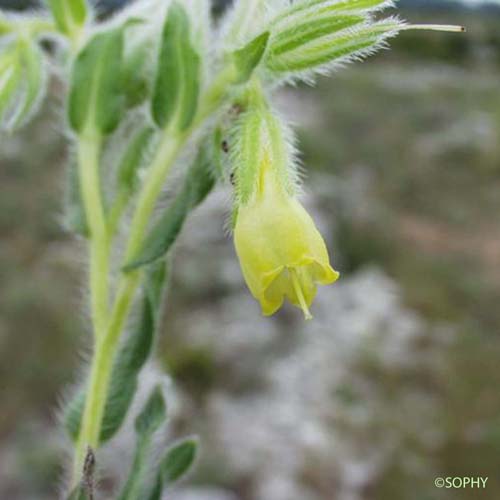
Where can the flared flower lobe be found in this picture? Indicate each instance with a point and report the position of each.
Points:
(281, 252)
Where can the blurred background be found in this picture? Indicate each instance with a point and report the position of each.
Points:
(394, 383)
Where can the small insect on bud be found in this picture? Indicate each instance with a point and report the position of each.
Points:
(237, 109)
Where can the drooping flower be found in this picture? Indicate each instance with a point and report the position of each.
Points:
(281, 252)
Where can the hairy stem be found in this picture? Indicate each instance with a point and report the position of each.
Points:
(116, 211)
(89, 148)
(100, 374)
(106, 345)
(167, 152)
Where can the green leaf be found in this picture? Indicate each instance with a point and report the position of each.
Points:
(33, 84)
(96, 100)
(308, 31)
(198, 183)
(78, 9)
(156, 279)
(136, 81)
(10, 76)
(178, 460)
(133, 159)
(22, 81)
(147, 423)
(174, 465)
(69, 15)
(306, 9)
(247, 153)
(248, 58)
(176, 90)
(72, 415)
(356, 5)
(355, 43)
(130, 359)
(120, 397)
(133, 354)
(317, 34)
(153, 414)
(75, 216)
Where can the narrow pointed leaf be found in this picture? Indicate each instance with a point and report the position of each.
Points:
(140, 43)
(178, 461)
(147, 423)
(246, 153)
(9, 83)
(174, 466)
(331, 49)
(69, 15)
(198, 183)
(133, 355)
(34, 76)
(136, 81)
(72, 415)
(133, 159)
(153, 414)
(96, 100)
(249, 57)
(306, 9)
(175, 95)
(308, 31)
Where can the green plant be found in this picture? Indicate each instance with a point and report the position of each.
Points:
(161, 84)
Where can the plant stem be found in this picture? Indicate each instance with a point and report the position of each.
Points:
(165, 156)
(116, 211)
(106, 346)
(89, 148)
(100, 374)
(133, 486)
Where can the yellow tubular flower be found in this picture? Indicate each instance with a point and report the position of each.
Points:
(281, 252)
